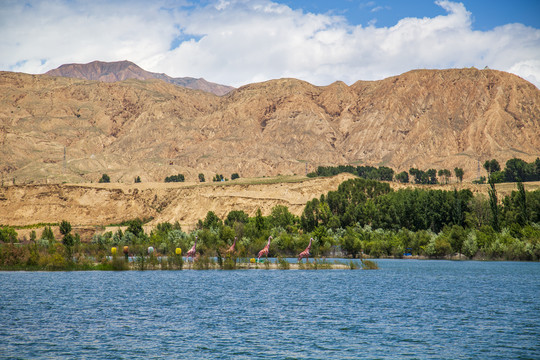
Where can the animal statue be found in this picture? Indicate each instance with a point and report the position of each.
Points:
(265, 250)
(192, 251)
(231, 249)
(305, 253)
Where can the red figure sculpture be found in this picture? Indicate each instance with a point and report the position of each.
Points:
(265, 250)
(191, 252)
(231, 249)
(305, 253)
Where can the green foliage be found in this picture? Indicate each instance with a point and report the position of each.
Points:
(403, 177)
(361, 217)
(494, 206)
(445, 175)
(424, 177)
(236, 216)
(105, 179)
(235, 176)
(492, 166)
(138, 179)
(65, 227)
(218, 178)
(369, 265)
(212, 221)
(8, 235)
(135, 227)
(459, 173)
(515, 170)
(281, 217)
(201, 177)
(382, 173)
(128, 222)
(175, 178)
(481, 180)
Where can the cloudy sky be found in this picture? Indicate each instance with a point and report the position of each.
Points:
(236, 42)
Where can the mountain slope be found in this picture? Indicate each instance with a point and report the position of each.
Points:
(123, 70)
(423, 119)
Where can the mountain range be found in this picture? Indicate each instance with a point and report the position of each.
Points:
(55, 128)
(123, 70)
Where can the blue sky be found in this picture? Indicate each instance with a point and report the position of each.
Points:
(487, 14)
(236, 42)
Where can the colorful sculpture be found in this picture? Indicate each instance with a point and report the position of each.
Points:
(305, 253)
(192, 251)
(265, 250)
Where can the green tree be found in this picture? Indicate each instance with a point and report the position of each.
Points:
(8, 234)
(105, 179)
(432, 176)
(492, 166)
(48, 234)
(236, 216)
(521, 202)
(459, 173)
(135, 227)
(494, 206)
(445, 175)
(212, 221)
(403, 177)
(175, 178)
(65, 227)
(259, 220)
(68, 239)
(138, 179)
(281, 216)
(515, 170)
(235, 176)
(201, 177)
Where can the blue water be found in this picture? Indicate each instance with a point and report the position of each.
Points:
(407, 309)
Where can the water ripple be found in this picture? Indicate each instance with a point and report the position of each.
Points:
(408, 309)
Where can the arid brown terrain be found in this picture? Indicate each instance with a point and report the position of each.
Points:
(56, 130)
(152, 129)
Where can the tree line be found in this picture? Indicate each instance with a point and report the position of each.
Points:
(515, 170)
(361, 217)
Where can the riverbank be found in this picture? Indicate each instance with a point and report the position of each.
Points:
(177, 263)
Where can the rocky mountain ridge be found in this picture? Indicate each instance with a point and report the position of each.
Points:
(124, 70)
(423, 118)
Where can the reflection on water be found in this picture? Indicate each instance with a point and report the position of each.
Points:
(407, 309)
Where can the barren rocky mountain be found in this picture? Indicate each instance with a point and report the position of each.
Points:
(152, 129)
(123, 70)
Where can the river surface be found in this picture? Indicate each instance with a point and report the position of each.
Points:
(409, 309)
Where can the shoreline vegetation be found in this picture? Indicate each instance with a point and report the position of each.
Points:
(363, 218)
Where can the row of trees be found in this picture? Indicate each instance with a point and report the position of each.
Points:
(361, 216)
(175, 178)
(514, 171)
(384, 173)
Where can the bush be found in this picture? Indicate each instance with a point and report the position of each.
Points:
(175, 178)
(105, 179)
(369, 265)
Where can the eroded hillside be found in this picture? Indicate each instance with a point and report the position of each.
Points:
(424, 119)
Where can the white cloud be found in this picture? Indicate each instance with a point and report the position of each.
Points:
(239, 41)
